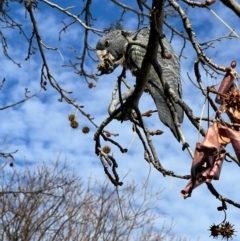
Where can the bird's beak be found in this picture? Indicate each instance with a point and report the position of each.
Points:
(103, 54)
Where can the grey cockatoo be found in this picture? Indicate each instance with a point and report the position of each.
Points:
(114, 46)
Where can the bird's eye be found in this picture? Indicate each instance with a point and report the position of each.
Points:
(106, 43)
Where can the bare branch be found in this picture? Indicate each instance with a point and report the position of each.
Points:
(233, 5)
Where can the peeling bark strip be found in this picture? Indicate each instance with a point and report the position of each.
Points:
(227, 81)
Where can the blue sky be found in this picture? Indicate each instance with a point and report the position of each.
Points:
(39, 128)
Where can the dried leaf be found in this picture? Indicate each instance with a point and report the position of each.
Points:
(208, 158)
(222, 134)
(235, 140)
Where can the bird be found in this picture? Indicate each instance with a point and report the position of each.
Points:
(114, 47)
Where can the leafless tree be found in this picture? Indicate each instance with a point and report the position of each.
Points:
(43, 203)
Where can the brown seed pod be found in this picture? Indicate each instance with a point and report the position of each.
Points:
(74, 124)
(224, 229)
(232, 99)
(108, 134)
(215, 230)
(227, 230)
(103, 66)
(91, 85)
(106, 66)
(106, 149)
(71, 117)
(85, 129)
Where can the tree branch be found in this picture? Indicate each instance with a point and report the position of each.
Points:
(233, 5)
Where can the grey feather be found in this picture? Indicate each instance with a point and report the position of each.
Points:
(116, 45)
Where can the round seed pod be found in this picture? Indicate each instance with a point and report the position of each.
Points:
(85, 129)
(106, 149)
(74, 124)
(71, 117)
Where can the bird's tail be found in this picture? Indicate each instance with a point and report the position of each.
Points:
(162, 108)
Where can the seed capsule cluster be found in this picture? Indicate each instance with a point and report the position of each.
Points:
(102, 66)
(73, 122)
(232, 99)
(224, 229)
(105, 67)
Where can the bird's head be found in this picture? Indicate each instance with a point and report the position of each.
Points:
(111, 46)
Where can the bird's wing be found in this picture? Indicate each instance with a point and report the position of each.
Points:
(172, 73)
(135, 55)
